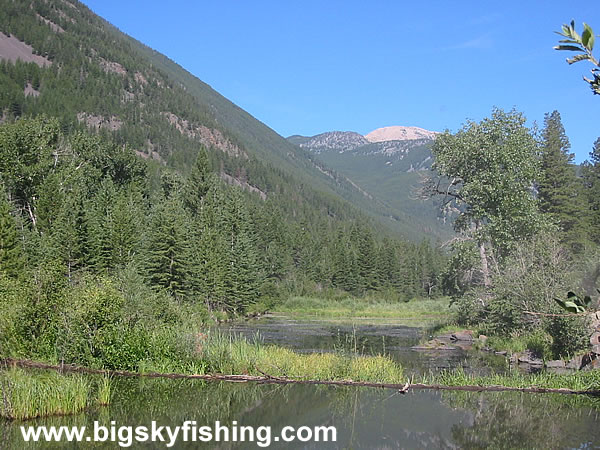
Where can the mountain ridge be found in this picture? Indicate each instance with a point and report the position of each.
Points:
(106, 81)
(386, 169)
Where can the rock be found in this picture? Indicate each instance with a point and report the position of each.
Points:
(596, 349)
(465, 335)
(557, 364)
(595, 338)
(483, 338)
(575, 363)
(527, 358)
(587, 359)
(581, 361)
(595, 364)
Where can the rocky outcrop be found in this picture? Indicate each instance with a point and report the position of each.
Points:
(207, 136)
(12, 49)
(112, 67)
(30, 91)
(54, 27)
(112, 123)
(243, 184)
(338, 141)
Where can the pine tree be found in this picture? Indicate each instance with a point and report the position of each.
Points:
(591, 176)
(243, 269)
(198, 182)
(167, 248)
(100, 223)
(11, 254)
(559, 189)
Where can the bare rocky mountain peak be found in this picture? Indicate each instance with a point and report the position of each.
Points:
(399, 133)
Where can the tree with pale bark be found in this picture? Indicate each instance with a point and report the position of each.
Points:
(486, 172)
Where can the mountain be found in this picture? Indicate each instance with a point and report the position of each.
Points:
(339, 141)
(60, 59)
(399, 133)
(387, 169)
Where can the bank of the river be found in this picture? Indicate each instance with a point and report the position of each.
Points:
(216, 353)
(34, 393)
(353, 308)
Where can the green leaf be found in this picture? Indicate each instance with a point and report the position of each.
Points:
(569, 305)
(572, 48)
(577, 58)
(571, 294)
(587, 37)
(560, 303)
(587, 300)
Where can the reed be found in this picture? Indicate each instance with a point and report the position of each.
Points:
(578, 381)
(30, 394)
(224, 354)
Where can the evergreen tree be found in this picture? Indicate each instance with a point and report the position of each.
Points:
(167, 248)
(100, 223)
(591, 176)
(11, 254)
(198, 182)
(367, 258)
(559, 189)
(243, 277)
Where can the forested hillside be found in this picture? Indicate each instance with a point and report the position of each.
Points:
(90, 75)
(115, 162)
(389, 170)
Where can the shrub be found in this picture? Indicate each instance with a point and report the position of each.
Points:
(569, 335)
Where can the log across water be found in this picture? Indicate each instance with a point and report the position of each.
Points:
(265, 378)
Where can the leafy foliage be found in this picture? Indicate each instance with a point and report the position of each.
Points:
(584, 45)
(574, 303)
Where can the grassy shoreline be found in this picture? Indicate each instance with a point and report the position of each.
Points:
(28, 394)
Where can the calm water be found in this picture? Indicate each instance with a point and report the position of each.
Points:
(365, 418)
(365, 337)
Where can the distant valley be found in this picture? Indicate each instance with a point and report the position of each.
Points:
(387, 164)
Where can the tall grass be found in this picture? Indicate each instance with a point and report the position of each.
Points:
(221, 353)
(580, 381)
(369, 307)
(30, 394)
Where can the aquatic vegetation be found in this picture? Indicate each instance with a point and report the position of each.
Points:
(579, 381)
(224, 354)
(30, 394)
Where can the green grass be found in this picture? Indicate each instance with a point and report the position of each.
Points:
(218, 353)
(365, 308)
(538, 342)
(30, 394)
(580, 381)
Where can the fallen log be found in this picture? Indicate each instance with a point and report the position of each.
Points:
(268, 379)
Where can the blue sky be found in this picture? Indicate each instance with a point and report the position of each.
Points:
(314, 66)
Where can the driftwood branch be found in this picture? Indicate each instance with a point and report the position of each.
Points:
(267, 379)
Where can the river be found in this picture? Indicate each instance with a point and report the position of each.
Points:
(364, 417)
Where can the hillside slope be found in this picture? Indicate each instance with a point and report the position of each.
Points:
(388, 169)
(101, 79)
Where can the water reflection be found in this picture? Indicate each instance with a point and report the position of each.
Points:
(392, 339)
(365, 418)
